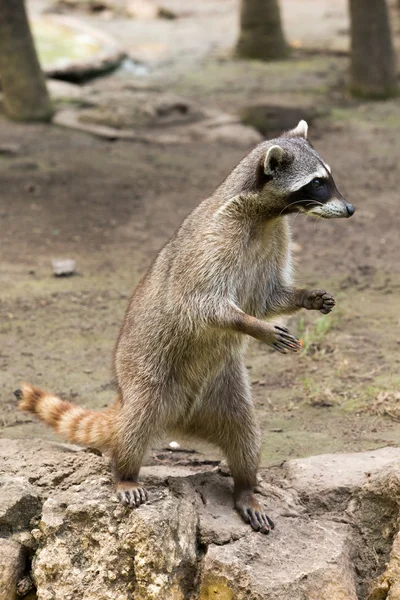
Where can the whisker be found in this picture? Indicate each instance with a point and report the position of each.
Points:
(317, 220)
(299, 202)
(291, 204)
(294, 218)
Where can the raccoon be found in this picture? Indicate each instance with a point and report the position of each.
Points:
(179, 358)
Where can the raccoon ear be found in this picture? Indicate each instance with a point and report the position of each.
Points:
(273, 159)
(300, 131)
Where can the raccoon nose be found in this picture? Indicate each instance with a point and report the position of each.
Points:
(350, 209)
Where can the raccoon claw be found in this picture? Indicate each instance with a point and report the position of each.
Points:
(283, 329)
(132, 495)
(284, 341)
(258, 520)
(319, 300)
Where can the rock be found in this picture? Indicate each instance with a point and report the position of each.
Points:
(166, 13)
(71, 50)
(234, 133)
(48, 465)
(19, 503)
(333, 477)
(141, 9)
(12, 564)
(87, 5)
(70, 118)
(387, 586)
(95, 548)
(336, 525)
(63, 267)
(302, 559)
(229, 131)
(153, 116)
(375, 508)
(146, 9)
(9, 149)
(62, 91)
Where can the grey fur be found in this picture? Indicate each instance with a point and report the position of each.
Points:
(179, 358)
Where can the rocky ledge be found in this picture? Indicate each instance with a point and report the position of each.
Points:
(63, 535)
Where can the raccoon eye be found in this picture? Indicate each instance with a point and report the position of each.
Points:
(317, 183)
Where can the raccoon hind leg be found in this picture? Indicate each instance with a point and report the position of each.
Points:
(140, 420)
(226, 418)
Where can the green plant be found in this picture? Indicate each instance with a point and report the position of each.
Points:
(313, 335)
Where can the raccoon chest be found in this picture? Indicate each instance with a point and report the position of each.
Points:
(256, 288)
(259, 285)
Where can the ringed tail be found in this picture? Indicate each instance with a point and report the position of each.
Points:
(72, 422)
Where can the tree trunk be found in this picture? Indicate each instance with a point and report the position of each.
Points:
(261, 34)
(25, 95)
(373, 63)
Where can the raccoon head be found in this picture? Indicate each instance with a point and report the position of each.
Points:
(298, 179)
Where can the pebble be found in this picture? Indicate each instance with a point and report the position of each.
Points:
(63, 267)
(9, 149)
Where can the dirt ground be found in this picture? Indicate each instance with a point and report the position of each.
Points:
(111, 205)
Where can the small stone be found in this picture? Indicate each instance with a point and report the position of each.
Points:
(166, 13)
(296, 248)
(141, 9)
(174, 445)
(63, 267)
(24, 586)
(9, 149)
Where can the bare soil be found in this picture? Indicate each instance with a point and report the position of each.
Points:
(112, 205)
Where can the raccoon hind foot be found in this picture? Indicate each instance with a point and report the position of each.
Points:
(131, 493)
(251, 511)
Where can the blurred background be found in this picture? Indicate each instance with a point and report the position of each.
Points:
(119, 116)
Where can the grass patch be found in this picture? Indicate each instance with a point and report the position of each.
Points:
(313, 335)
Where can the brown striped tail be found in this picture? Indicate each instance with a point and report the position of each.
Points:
(72, 422)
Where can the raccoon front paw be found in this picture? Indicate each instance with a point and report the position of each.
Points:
(284, 341)
(319, 300)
